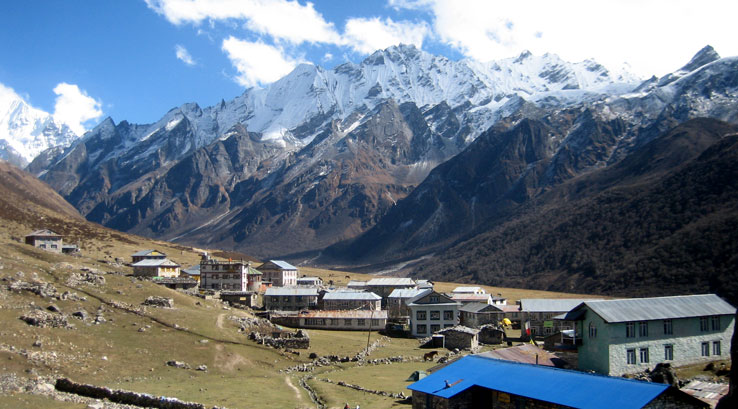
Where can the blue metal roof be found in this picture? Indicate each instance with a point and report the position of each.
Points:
(559, 386)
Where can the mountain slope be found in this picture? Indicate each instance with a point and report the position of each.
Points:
(662, 221)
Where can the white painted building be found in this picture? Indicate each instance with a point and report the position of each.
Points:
(431, 311)
(631, 335)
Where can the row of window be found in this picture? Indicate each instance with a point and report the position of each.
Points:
(423, 329)
(434, 315)
(337, 321)
(640, 328)
(225, 276)
(643, 353)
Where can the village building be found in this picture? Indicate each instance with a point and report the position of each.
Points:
(290, 299)
(176, 283)
(147, 255)
(246, 298)
(424, 284)
(431, 311)
(632, 335)
(537, 314)
(526, 354)
(156, 268)
(228, 275)
(491, 334)
(384, 286)
(466, 298)
(46, 240)
(359, 320)
(475, 382)
(469, 290)
(351, 300)
(460, 337)
(474, 315)
(279, 273)
(397, 302)
(192, 272)
(309, 282)
(356, 285)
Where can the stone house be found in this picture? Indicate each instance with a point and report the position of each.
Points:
(156, 268)
(247, 298)
(279, 273)
(192, 272)
(228, 275)
(290, 299)
(46, 240)
(491, 334)
(431, 311)
(147, 255)
(474, 315)
(479, 382)
(360, 320)
(351, 300)
(397, 302)
(460, 337)
(631, 335)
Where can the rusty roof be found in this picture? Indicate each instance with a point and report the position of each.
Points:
(367, 314)
(526, 353)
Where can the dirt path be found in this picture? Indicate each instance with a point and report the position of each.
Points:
(298, 395)
(219, 321)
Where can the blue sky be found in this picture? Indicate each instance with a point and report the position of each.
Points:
(136, 59)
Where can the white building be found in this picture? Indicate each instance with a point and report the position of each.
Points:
(431, 311)
(627, 336)
(279, 273)
(469, 290)
(351, 300)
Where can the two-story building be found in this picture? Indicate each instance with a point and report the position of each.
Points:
(290, 299)
(228, 275)
(351, 300)
(397, 302)
(631, 335)
(384, 286)
(147, 255)
(537, 314)
(431, 311)
(309, 282)
(279, 273)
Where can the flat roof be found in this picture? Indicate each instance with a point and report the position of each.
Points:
(559, 386)
(366, 314)
(351, 295)
(291, 291)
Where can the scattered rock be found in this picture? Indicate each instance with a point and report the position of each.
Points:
(86, 277)
(161, 302)
(203, 368)
(37, 343)
(81, 314)
(142, 329)
(43, 319)
(178, 364)
(53, 308)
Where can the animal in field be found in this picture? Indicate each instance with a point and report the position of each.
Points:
(428, 356)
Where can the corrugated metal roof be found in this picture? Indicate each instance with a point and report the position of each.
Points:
(283, 265)
(43, 233)
(406, 292)
(708, 392)
(391, 281)
(143, 253)
(471, 297)
(159, 262)
(558, 386)
(309, 279)
(356, 283)
(367, 314)
(478, 307)
(551, 304)
(465, 290)
(291, 291)
(659, 308)
(351, 295)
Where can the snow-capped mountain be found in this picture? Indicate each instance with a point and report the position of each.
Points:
(321, 155)
(26, 131)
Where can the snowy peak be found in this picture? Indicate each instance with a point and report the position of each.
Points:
(703, 57)
(26, 131)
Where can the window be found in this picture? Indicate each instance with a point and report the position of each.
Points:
(375, 322)
(448, 315)
(314, 321)
(435, 315)
(668, 327)
(420, 315)
(705, 349)
(630, 330)
(422, 329)
(592, 330)
(216, 277)
(631, 356)
(347, 321)
(703, 324)
(668, 352)
(644, 355)
(716, 347)
(361, 322)
(434, 299)
(643, 329)
(435, 327)
(715, 322)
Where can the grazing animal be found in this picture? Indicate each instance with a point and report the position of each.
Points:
(428, 356)
(348, 276)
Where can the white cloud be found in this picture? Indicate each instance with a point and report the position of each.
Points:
(256, 62)
(654, 36)
(367, 35)
(183, 55)
(74, 107)
(281, 19)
